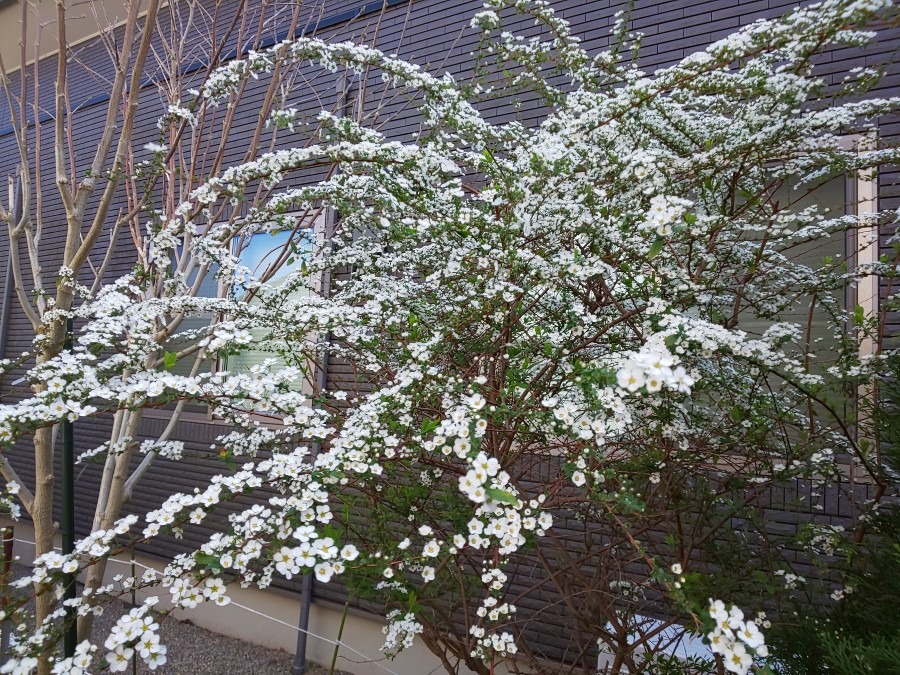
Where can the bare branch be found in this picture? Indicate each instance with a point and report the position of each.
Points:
(19, 198)
(90, 238)
(62, 178)
(10, 475)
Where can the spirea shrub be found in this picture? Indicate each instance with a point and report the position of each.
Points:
(583, 350)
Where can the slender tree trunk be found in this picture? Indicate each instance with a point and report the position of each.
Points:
(108, 511)
(42, 512)
(95, 573)
(93, 579)
(42, 515)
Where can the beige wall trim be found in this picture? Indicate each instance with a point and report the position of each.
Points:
(867, 293)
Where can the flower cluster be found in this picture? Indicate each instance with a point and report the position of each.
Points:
(7, 500)
(651, 369)
(501, 644)
(736, 640)
(663, 213)
(169, 449)
(400, 632)
(135, 634)
(177, 113)
(282, 118)
(79, 664)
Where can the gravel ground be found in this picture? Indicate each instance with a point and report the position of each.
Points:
(196, 651)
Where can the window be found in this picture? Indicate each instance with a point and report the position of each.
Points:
(853, 195)
(268, 256)
(808, 311)
(273, 256)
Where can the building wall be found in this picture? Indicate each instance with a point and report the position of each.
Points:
(40, 34)
(435, 33)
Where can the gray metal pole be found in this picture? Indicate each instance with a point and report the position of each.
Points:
(299, 667)
(4, 316)
(6, 626)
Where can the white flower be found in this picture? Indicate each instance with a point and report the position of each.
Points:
(119, 658)
(148, 644)
(736, 658)
(750, 635)
(324, 572)
(630, 378)
(732, 637)
(156, 658)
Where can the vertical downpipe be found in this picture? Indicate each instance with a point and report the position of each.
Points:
(6, 624)
(7, 298)
(299, 667)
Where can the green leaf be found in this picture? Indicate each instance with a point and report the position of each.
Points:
(429, 425)
(501, 496)
(169, 359)
(656, 247)
(604, 376)
(208, 561)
